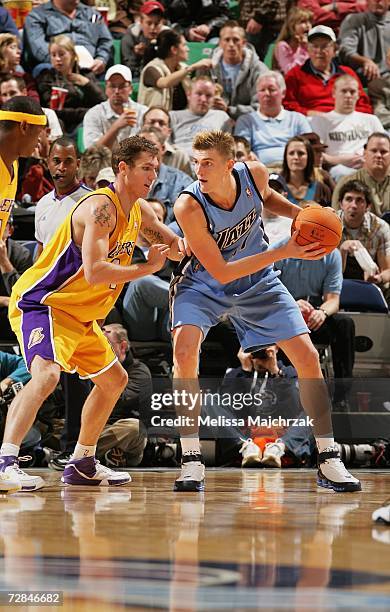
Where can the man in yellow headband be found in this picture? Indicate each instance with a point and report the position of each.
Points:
(21, 123)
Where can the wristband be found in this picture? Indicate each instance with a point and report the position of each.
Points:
(324, 311)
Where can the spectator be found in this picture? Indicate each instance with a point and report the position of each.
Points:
(83, 89)
(11, 86)
(375, 174)
(93, 160)
(14, 260)
(345, 130)
(12, 370)
(291, 45)
(84, 24)
(298, 172)
(199, 115)
(140, 35)
(269, 128)
(242, 150)
(319, 149)
(316, 287)
(332, 14)
(379, 92)
(365, 38)
(262, 22)
(10, 55)
(163, 77)
(104, 178)
(119, 116)
(309, 87)
(198, 21)
(170, 182)
(124, 437)
(159, 118)
(236, 68)
(7, 24)
(276, 227)
(363, 228)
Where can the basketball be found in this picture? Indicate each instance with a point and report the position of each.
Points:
(318, 225)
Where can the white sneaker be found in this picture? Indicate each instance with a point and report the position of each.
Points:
(88, 471)
(273, 454)
(192, 474)
(382, 514)
(332, 473)
(251, 454)
(9, 467)
(8, 485)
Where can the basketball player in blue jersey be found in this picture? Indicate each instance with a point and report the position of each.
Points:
(231, 273)
(55, 307)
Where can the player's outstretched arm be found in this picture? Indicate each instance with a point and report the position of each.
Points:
(273, 201)
(193, 223)
(156, 232)
(92, 224)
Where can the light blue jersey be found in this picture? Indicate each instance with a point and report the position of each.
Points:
(261, 309)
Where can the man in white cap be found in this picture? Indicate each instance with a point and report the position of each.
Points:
(310, 87)
(119, 116)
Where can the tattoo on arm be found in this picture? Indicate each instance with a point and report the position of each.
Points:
(102, 215)
(152, 236)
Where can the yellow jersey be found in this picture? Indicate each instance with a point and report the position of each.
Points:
(8, 186)
(57, 277)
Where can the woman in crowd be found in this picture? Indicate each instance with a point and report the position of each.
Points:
(298, 172)
(10, 55)
(162, 81)
(83, 90)
(291, 44)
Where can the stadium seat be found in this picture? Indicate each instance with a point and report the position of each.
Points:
(117, 51)
(268, 57)
(234, 9)
(361, 296)
(199, 51)
(80, 140)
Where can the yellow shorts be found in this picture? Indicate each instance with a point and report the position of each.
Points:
(57, 336)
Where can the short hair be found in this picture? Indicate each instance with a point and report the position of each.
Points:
(20, 82)
(129, 149)
(243, 141)
(119, 331)
(223, 142)
(377, 135)
(63, 141)
(358, 187)
(165, 210)
(232, 23)
(308, 172)
(6, 39)
(274, 74)
(200, 77)
(160, 108)
(345, 77)
(94, 159)
(150, 129)
(19, 104)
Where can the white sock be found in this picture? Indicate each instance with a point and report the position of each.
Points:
(324, 443)
(189, 445)
(81, 451)
(9, 449)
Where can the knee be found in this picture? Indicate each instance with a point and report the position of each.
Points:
(309, 361)
(185, 359)
(45, 379)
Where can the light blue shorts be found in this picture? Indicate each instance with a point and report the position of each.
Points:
(263, 315)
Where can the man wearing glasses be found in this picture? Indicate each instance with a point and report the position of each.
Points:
(310, 87)
(119, 116)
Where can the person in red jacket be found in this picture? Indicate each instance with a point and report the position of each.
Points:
(332, 13)
(310, 87)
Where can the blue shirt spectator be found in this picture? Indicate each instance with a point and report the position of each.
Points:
(7, 24)
(168, 186)
(12, 369)
(270, 127)
(83, 24)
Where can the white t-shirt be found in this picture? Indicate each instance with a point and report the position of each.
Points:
(186, 125)
(51, 211)
(345, 134)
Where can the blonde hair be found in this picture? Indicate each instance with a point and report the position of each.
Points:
(345, 77)
(223, 142)
(294, 16)
(5, 41)
(64, 41)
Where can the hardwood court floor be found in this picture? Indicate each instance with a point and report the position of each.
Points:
(255, 540)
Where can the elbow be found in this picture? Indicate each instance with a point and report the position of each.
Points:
(90, 276)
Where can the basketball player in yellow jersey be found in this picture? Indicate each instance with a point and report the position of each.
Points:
(21, 123)
(54, 307)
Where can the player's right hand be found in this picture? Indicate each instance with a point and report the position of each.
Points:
(308, 251)
(157, 255)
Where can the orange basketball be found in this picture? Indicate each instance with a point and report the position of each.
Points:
(319, 225)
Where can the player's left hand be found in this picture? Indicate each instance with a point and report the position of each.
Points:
(157, 255)
(183, 247)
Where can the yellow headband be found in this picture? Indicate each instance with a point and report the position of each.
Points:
(19, 117)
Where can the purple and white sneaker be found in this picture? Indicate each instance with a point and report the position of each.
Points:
(90, 472)
(9, 468)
